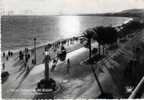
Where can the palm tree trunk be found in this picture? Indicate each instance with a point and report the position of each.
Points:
(96, 78)
(93, 70)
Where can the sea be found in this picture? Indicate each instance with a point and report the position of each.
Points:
(18, 31)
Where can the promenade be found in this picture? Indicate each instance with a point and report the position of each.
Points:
(80, 82)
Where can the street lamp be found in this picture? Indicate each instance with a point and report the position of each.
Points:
(34, 50)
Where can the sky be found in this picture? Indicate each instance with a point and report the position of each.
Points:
(58, 7)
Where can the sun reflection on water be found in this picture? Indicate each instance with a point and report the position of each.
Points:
(69, 26)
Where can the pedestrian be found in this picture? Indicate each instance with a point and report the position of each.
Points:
(33, 61)
(7, 57)
(53, 65)
(20, 55)
(68, 65)
(28, 69)
(4, 54)
(25, 64)
(3, 65)
(28, 56)
(11, 53)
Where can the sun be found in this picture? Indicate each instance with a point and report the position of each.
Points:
(69, 26)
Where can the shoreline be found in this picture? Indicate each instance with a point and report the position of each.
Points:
(43, 44)
(40, 50)
(15, 51)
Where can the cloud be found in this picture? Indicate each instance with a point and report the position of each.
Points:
(68, 6)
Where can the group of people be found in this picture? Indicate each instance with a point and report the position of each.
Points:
(25, 56)
(9, 54)
(59, 55)
(60, 51)
(64, 42)
(54, 63)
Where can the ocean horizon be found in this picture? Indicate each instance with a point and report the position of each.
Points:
(18, 31)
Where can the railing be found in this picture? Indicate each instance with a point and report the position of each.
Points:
(139, 90)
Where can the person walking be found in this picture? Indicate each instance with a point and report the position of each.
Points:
(68, 65)
(53, 65)
(21, 55)
(8, 53)
(11, 53)
(7, 57)
(27, 69)
(4, 54)
(3, 65)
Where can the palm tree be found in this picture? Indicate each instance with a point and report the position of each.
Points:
(105, 35)
(99, 37)
(88, 36)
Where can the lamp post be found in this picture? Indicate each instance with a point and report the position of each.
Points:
(34, 50)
